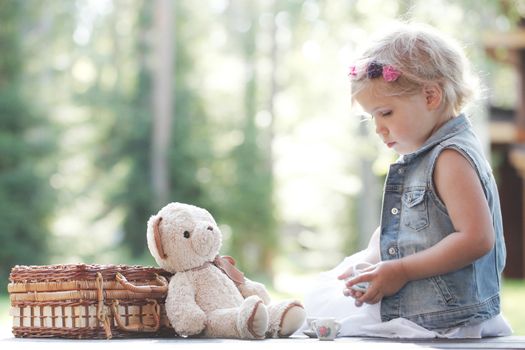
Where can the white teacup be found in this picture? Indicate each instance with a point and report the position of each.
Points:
(326, 328)
(358, 269)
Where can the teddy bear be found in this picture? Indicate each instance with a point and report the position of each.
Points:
(207, 295)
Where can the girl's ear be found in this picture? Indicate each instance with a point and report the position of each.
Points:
(433, 96)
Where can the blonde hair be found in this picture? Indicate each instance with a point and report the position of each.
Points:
(422, 56)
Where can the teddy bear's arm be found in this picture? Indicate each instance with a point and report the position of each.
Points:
(186, 317)
(249, 288)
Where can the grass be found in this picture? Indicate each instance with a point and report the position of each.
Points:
(513, 303)
(5, 319)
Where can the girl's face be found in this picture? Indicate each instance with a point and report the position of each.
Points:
(404, 123)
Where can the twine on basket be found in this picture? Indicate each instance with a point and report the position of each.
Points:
(102, 311)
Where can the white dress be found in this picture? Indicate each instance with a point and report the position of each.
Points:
(325, 299)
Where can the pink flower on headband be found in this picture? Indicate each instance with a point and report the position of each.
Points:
(390, 73)
(353, 72)
(376, 70)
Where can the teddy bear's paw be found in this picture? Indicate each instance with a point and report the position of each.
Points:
(252, 320)
(285, 318)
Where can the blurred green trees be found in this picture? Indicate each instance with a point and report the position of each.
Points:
(126, 138)
(250, 207)
(26, 202)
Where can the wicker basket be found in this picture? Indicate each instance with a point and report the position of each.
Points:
(89, 301)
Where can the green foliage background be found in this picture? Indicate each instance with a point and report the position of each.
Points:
(26, 202)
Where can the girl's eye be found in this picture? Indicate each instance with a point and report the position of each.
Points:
(386, 114)
(186, 234)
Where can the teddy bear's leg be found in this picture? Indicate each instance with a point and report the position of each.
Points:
(285, 318)
(252, 320)
(248, 321)
(222, 323)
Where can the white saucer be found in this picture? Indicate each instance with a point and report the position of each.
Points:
(311, 333)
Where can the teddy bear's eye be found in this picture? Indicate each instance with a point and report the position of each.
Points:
(186, 234)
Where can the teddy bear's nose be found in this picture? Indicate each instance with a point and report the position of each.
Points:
(209, 228)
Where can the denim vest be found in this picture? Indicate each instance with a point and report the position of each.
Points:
(414, 218)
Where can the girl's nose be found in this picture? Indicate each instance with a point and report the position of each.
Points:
(380, 129)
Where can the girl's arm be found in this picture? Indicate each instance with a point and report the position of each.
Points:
(460, 189)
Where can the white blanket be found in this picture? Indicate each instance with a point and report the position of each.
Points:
(325, 299)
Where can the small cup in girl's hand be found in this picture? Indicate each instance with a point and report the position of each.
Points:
(358, 269)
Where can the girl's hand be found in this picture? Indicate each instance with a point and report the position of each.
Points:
(386, 278)
(350, 292)
(346, 274)
(354, 294)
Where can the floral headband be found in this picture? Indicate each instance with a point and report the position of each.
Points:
(375, 70)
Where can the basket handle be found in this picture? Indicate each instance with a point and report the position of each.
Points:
(138, 327)
(162, 286)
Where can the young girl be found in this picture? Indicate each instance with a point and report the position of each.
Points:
(439, 251)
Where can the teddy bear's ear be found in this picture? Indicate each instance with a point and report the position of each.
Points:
(156, 236)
